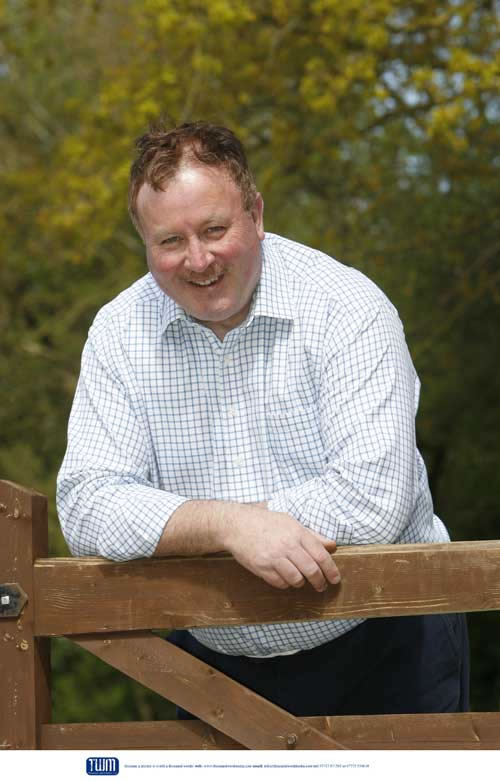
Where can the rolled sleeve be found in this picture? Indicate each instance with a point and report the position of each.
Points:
(107, 503)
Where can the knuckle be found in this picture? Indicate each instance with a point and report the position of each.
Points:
(311, 571)
(263, 562)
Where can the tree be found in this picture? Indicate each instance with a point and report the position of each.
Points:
(373, 132)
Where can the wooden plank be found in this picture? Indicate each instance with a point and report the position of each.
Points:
(94, 595)
(24, 659)
(158, 735)
(448, 731)
(206, 693)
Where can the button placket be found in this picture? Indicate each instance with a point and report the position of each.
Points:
(230, 415)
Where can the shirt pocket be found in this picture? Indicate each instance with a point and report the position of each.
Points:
(294, 436)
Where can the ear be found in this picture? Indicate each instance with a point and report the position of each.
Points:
(258, 216)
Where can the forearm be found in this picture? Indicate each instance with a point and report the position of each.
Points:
(197, 527)
(201, 526)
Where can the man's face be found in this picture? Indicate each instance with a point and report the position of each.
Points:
(202, 247)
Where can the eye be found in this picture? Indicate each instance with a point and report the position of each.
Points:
(170, 241)
(216, 230)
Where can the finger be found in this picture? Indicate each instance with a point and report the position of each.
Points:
(322, 557)
(275, 580)
(309, 568)
(289, 572)
(263, 570)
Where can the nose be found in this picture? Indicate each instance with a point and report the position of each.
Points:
(198, 257)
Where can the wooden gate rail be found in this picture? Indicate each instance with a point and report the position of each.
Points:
(92, 601)
(208, 693)
(471, 731)
(94, 595)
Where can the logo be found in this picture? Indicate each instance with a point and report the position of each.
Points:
(102, 766)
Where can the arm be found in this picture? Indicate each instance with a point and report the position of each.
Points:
(274, 546)
(108, 506)
(107, 503)
(368, 397)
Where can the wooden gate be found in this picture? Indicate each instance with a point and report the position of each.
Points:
(110, 609)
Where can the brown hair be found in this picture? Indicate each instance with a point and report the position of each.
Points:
(161, 151)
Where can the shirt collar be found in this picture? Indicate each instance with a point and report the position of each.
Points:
(170, 311)
(272, 296)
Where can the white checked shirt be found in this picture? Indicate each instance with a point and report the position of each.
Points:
(308, 405)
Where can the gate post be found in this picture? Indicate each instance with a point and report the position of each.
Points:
(24, 658)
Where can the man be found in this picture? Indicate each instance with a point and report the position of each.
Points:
(255, 396)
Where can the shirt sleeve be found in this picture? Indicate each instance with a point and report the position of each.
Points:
(106, 502)
(368, 399)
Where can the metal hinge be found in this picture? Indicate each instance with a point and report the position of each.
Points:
(12, 600)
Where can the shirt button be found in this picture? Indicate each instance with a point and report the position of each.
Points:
(239, 461)
(232, 412)
(228, 360)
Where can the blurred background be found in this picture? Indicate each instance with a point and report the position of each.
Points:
(373, 132)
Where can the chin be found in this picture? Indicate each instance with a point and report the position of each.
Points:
(214, 315)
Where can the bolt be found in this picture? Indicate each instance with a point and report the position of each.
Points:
(291, 740)
(23, 645)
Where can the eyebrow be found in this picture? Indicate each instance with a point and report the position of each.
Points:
(163, 233)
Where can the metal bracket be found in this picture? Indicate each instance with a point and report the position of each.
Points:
(12, 600)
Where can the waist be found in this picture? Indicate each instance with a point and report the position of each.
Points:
(268, 641)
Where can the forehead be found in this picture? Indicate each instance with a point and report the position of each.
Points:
(193, 187)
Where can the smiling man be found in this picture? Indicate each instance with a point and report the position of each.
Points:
(202, 245)
(253, 395)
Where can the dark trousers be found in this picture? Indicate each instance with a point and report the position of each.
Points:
(409, 664)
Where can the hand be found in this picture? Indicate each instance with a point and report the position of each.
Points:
(276, 547)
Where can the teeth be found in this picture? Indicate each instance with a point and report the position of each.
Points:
(206, 282)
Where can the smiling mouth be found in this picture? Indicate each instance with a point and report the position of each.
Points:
(206, 282)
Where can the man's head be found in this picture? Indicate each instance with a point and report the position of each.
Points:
(162, 151)
(194, 202)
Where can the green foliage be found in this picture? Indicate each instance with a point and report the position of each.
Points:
(373, 132)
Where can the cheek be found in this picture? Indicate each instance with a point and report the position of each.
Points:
(162, 264)
(244, 256)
